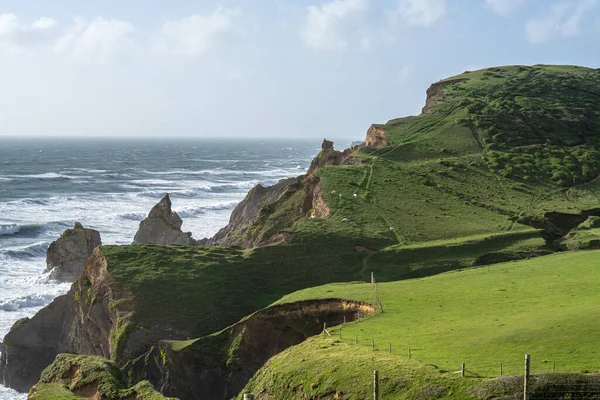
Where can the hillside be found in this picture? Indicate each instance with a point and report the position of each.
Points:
(483, 317)
(500, 166)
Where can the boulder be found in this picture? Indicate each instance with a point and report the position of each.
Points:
(163, 226)
(66, 255)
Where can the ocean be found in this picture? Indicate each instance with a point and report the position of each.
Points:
(48, 185)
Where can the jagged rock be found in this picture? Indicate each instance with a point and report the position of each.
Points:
(329, 156)
(327, 145)
(254, 220)
(163, 226)
(66, 255)
(32, 343)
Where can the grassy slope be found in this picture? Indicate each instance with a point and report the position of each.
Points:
(544, 306)
(430, 202)
(326, 368)
(202, 290)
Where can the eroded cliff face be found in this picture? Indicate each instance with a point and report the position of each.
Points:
(66, 256)
(266, 212)
(266, 215)
(436, 92)
(163, 226)
(82, 322)
(376, 137)
(32, 343)
(218, 367)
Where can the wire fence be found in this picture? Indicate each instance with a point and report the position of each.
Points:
(473, 367)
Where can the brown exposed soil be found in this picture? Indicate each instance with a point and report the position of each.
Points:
(90, 392)
(249, 345)
(376, 137)
(436, 92)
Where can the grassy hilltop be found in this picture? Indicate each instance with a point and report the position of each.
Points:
(503, 164)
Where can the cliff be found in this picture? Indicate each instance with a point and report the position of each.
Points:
(468, 181)
(268, 214)
(163, 226)
(66, 255)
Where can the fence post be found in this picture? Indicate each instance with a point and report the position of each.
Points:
(554, 366)
(372, 278)
(390, 348)
(409, 355)
(373, 344)
(500, 369)
(462, 370)
(375, 385)
(526, 376)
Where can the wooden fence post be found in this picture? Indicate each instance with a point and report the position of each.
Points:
(409, 355)
(375, 385)
(373, 344)
(500, 369)
(554, 366)
(462, 370)
(526, 376)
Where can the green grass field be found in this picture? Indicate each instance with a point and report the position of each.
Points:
(546, 307)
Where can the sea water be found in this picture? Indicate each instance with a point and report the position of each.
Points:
(48, 185)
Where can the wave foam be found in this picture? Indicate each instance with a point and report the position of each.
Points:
(35, 250)
(6, 230)
(27, 301)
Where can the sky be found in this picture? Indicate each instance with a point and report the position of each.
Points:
(261, 68)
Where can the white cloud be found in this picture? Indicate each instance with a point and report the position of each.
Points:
(195, 34)
(503, 7)
(18, 37)
(406, 73)
(330, 26)
(419, 12)
(98, 40)
(563, 20)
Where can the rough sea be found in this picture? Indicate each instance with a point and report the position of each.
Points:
(48, 185)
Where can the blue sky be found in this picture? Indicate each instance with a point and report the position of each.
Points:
(261, 68)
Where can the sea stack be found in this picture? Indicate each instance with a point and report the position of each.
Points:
(66, 255)
(163, 226)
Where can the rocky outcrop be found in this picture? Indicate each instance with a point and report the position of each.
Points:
(89, 377)
(246, 347)
(436, 92)
(329, 156)
(257, 220)
(376, 137)
(163, 226)
(31, 344)
(66, 255)
(85, 321)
